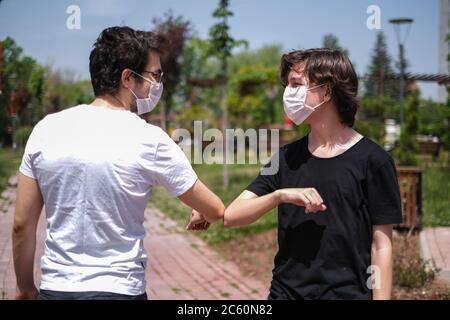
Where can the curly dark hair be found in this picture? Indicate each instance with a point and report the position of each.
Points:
(116, 49)
(326, 66)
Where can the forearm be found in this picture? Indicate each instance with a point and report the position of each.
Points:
(246, 211)
(203, 200)
(382, 258)
(212, 209)
(24, 246)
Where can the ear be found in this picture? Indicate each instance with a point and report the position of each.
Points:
(125, 78)
(328, 93)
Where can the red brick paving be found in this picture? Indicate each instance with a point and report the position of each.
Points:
(180, 265)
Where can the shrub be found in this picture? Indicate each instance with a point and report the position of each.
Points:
(21, 135)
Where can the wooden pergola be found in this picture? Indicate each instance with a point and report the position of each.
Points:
(442, 79)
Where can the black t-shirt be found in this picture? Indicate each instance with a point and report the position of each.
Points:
(326, 255)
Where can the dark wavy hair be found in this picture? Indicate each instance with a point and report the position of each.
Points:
(116, 49)
(326, 66)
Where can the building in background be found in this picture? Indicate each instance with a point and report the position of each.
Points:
(444, 31)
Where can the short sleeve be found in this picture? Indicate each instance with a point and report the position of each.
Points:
(384, 195)
(268, 179)
(171, 169)
(26, 166)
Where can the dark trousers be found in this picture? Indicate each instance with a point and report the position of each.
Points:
(89, 295)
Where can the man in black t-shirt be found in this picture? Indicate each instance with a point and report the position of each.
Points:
(336, 191)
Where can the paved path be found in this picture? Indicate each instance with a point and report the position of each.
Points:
(180, 265)
(435, 248)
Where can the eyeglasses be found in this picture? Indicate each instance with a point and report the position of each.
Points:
(157, 75)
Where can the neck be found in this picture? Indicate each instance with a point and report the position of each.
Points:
(110, 101)
(328, 130)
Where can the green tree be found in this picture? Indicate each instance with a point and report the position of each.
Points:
(380, 68)
(187, 117)
(222, 43)
(36, 85)
(176, 30)
(255, 92)
(63, 90)
(371, 116)
(405, 153)
(221, 46)
(17, 69)
(330, 41)
(433, 120)
(254, 96)
(268, 56)
(198, 66)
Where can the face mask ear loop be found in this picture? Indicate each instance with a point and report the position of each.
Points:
(147, 79)
(319, 85)
(151, 82)
(133, 93)
(320, 104)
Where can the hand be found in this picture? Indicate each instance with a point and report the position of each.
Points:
(28, 294)
(305, 197)
(197, 222)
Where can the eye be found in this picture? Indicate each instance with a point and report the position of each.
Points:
(295, 84)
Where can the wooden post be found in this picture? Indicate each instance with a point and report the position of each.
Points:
(410, 183)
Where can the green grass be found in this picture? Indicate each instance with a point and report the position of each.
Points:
(436, 197)
(211, 175)
(9, 164)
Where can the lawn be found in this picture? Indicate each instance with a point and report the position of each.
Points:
(9, 164)
(436, 197)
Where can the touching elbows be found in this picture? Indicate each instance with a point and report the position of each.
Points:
(217, 214)
(227, 222)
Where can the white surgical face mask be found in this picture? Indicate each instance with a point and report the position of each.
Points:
(145, 105)
(294, 101)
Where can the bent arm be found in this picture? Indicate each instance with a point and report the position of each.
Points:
(200, 198)
(248, 207)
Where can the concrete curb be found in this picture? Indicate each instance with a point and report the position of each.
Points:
(425, 251)
(425, 254)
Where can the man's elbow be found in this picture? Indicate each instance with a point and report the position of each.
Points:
(220, 211)
(23, 226)
(20, 229)
(214, 214)
(227, 219)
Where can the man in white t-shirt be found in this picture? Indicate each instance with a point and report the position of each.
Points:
(93, 167)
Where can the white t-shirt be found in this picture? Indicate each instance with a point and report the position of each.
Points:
(96, 167)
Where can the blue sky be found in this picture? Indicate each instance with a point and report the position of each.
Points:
(40, 26)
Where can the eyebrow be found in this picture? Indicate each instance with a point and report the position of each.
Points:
(154, 71)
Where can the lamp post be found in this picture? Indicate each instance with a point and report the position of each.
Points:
(398, 23)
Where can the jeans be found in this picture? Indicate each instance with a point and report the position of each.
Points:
(88, 295)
